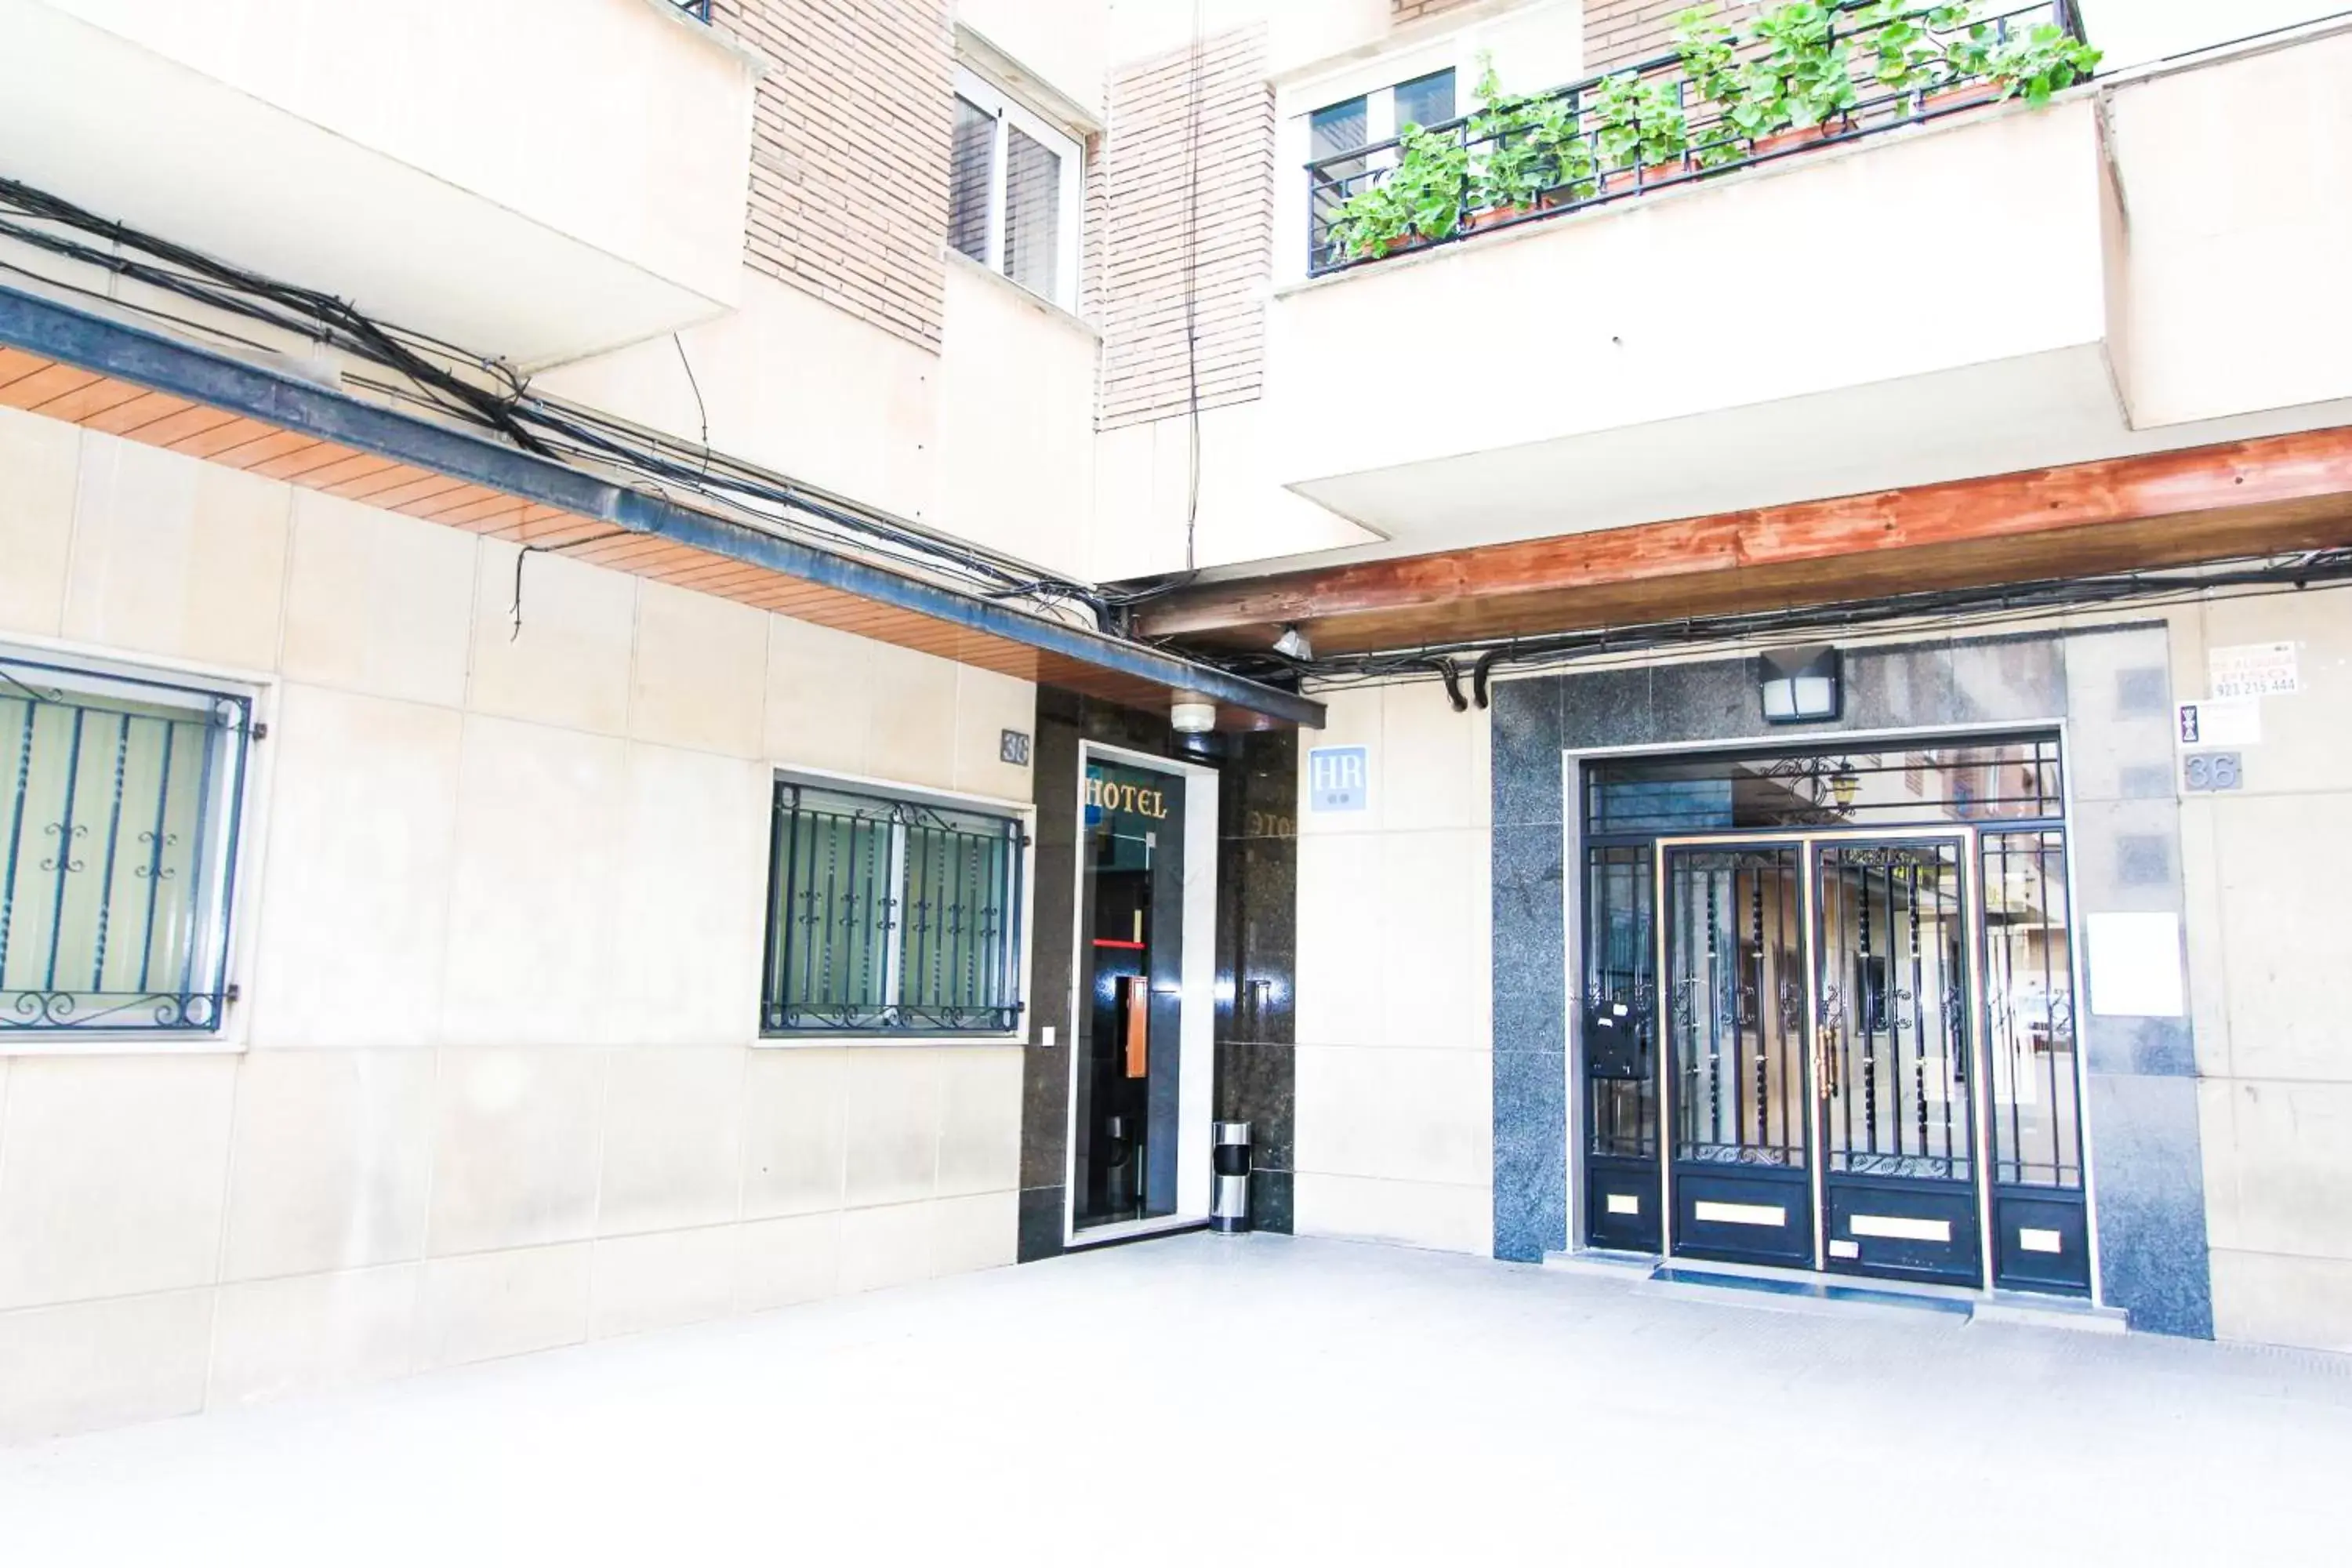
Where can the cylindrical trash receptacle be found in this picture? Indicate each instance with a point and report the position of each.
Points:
(1122, 1168)
(1229, 1207)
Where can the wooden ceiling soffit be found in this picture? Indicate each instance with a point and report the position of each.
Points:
(2164, 509)
(125, 380)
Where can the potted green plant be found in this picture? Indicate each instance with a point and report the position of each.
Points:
(1420, 201)
(1432, 179)
(2039, 61)
(1934, 53)
(1529, 151)
(1640, 130)
(1804, 72)
(1508, 166)
(1709, 50)
(1569, 166)
(1371, 222)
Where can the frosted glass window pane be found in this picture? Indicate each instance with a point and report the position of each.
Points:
(968, 170)
(1033, 217)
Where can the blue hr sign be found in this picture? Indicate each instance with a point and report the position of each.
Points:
(1338, 778)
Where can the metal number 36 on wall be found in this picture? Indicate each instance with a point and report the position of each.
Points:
(2202, 773)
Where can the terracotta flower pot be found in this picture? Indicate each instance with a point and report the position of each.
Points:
(1781, 141)
(1495, 218)
(1621, 180)
(1568, 196)
(1955, 97)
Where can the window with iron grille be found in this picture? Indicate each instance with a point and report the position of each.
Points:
(120, 802)
(890, 916)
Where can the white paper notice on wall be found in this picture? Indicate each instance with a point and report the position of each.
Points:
(2253, 669)
(2227, 721)
(1338, 778)
(2136, 966)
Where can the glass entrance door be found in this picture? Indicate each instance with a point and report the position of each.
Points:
(1897, 1109)
(1817, 1058)
(1737, 1021)
(1125, 1135)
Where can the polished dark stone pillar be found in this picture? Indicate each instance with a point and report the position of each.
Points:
(1257, 946)
(1045, 1070)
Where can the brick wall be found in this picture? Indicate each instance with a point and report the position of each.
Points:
(1136, 205)
(1404, 11)
(849, 153)
(1625, 32)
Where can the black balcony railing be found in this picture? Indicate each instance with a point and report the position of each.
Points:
(1801, 76)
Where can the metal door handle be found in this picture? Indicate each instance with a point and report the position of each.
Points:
(1825, 1055)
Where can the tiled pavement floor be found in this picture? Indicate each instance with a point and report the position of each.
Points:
(1215, 1401)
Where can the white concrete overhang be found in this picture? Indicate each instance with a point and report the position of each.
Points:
(1927, 304)
(540, 180)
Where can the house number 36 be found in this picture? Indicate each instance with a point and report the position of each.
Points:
(2207, 771)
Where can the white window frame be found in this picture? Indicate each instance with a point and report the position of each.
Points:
(1380, 103)
(1007, 111)
(1536, 44)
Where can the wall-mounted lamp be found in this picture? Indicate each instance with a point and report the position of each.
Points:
(1293, 642)
(1802, 685)
(1191, 714)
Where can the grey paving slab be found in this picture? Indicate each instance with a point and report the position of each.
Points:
(1258, 1401)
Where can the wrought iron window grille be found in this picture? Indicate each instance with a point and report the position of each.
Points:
(890, 917)
(1517, 134)
(121, 809)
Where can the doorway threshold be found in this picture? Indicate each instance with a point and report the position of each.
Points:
(1599, 1263)
(1808, 1292)
(1133, 1230)
(1768, 1288)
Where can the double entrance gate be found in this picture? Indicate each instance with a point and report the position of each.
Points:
(1818, 1055)
(1822, 1041)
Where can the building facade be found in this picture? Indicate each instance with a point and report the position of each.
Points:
(792, 687)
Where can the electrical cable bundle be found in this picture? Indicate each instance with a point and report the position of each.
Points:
(488, 395)
(497, 398)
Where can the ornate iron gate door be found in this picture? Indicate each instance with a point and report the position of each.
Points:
(1739, 1093)
(1819, 1053)
(1827, 1018)
(1893, 1060)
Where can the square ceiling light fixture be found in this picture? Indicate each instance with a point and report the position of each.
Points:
(1802, 685)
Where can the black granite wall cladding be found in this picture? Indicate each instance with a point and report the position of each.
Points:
(1045, 1070)
(2111, 686)
(1257, 943)
(1255, 938)
(1532, 977)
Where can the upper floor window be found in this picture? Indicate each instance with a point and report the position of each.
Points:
(891, 916)
(1359, 121)
(1013, 192)
(119, 801)
(1376, 116)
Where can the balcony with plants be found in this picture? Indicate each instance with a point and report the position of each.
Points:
(1924, 270)
(1796, 77)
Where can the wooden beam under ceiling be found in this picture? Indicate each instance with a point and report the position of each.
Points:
(2164, 509)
